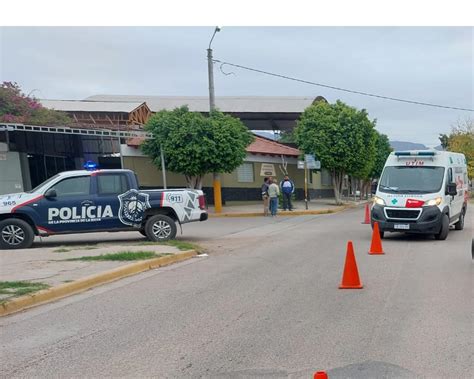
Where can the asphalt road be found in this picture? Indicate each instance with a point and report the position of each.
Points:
(266, 303)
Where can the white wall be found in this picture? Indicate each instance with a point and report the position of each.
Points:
(11, 180)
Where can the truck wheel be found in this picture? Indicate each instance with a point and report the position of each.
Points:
(460, 224)
(443, 233)
(15, 234)
(160, 228)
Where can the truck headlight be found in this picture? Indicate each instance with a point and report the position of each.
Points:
(432, 202)
(379, 201)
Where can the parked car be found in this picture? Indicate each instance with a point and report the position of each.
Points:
(96, 201)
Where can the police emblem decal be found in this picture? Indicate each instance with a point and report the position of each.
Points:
(133, 205)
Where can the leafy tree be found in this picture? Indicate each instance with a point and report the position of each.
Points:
(340, 136)
(461, 140)
(195, 145)
(287, 137)
(17, 107)
(376, 162)
(444, 140)
(382, 151)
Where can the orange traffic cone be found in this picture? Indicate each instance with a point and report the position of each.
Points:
(367, 215)
(376, 245)
(320, 375)
(350, 277)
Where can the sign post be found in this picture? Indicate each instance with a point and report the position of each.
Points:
(309, 163)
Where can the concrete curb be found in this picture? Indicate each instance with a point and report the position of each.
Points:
(83, 284)
(285, 213)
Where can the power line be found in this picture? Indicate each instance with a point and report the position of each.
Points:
(341, 89)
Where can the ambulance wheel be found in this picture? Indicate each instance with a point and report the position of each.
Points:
(15, 234)
(160, 228)
(460, 224)
(443, 233)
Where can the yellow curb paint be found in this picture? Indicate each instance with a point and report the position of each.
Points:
(80, 285)
(283, 213)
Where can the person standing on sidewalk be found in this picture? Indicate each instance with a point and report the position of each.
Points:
(273, 192)
(265, 197)
(287, 188)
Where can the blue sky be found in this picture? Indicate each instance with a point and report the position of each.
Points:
(429, 64)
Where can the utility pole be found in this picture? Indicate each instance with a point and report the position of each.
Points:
(305, 184)
(212, 105)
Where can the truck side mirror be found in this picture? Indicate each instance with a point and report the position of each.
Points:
(451, 189)
(373, 188)
(50, 194)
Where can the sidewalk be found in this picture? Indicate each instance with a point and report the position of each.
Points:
(50, 265)
(255, 208)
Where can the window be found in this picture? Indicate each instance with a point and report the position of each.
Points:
(450, 175)
(326, 178)
(112, 184)
(73, 186)
(245, 173)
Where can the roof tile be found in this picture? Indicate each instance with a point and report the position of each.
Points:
(260, 145)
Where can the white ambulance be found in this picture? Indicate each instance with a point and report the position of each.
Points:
(422, 191)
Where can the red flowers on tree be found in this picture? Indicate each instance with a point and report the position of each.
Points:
(16, 107)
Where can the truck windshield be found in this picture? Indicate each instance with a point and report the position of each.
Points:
(409, 179)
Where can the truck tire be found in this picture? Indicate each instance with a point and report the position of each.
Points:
(15, 234)
(460, 224)
(160, 228)
(443, 233)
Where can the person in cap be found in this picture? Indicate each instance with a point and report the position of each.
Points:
(287, 188)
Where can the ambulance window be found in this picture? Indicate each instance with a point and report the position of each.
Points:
(73, 186)
(450, 175)
(112, 184)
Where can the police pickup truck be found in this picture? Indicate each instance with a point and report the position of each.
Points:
(96, 201)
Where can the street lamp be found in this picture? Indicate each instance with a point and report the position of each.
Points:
(212, 105)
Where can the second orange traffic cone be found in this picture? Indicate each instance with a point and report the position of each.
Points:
(376, 245)
(367, 215)
(350, 277)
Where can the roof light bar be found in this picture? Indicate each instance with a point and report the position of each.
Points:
(415, 153)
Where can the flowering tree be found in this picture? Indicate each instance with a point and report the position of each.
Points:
(16, 107)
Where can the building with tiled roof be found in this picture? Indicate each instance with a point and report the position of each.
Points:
(266, 146)
(265, 157)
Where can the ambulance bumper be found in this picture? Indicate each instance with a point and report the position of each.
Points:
(429, 221)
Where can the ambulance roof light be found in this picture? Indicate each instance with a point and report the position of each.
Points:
(415, 153)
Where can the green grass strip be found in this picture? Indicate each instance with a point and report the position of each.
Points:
(181, 245)
(121, 256)
(20, 288)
